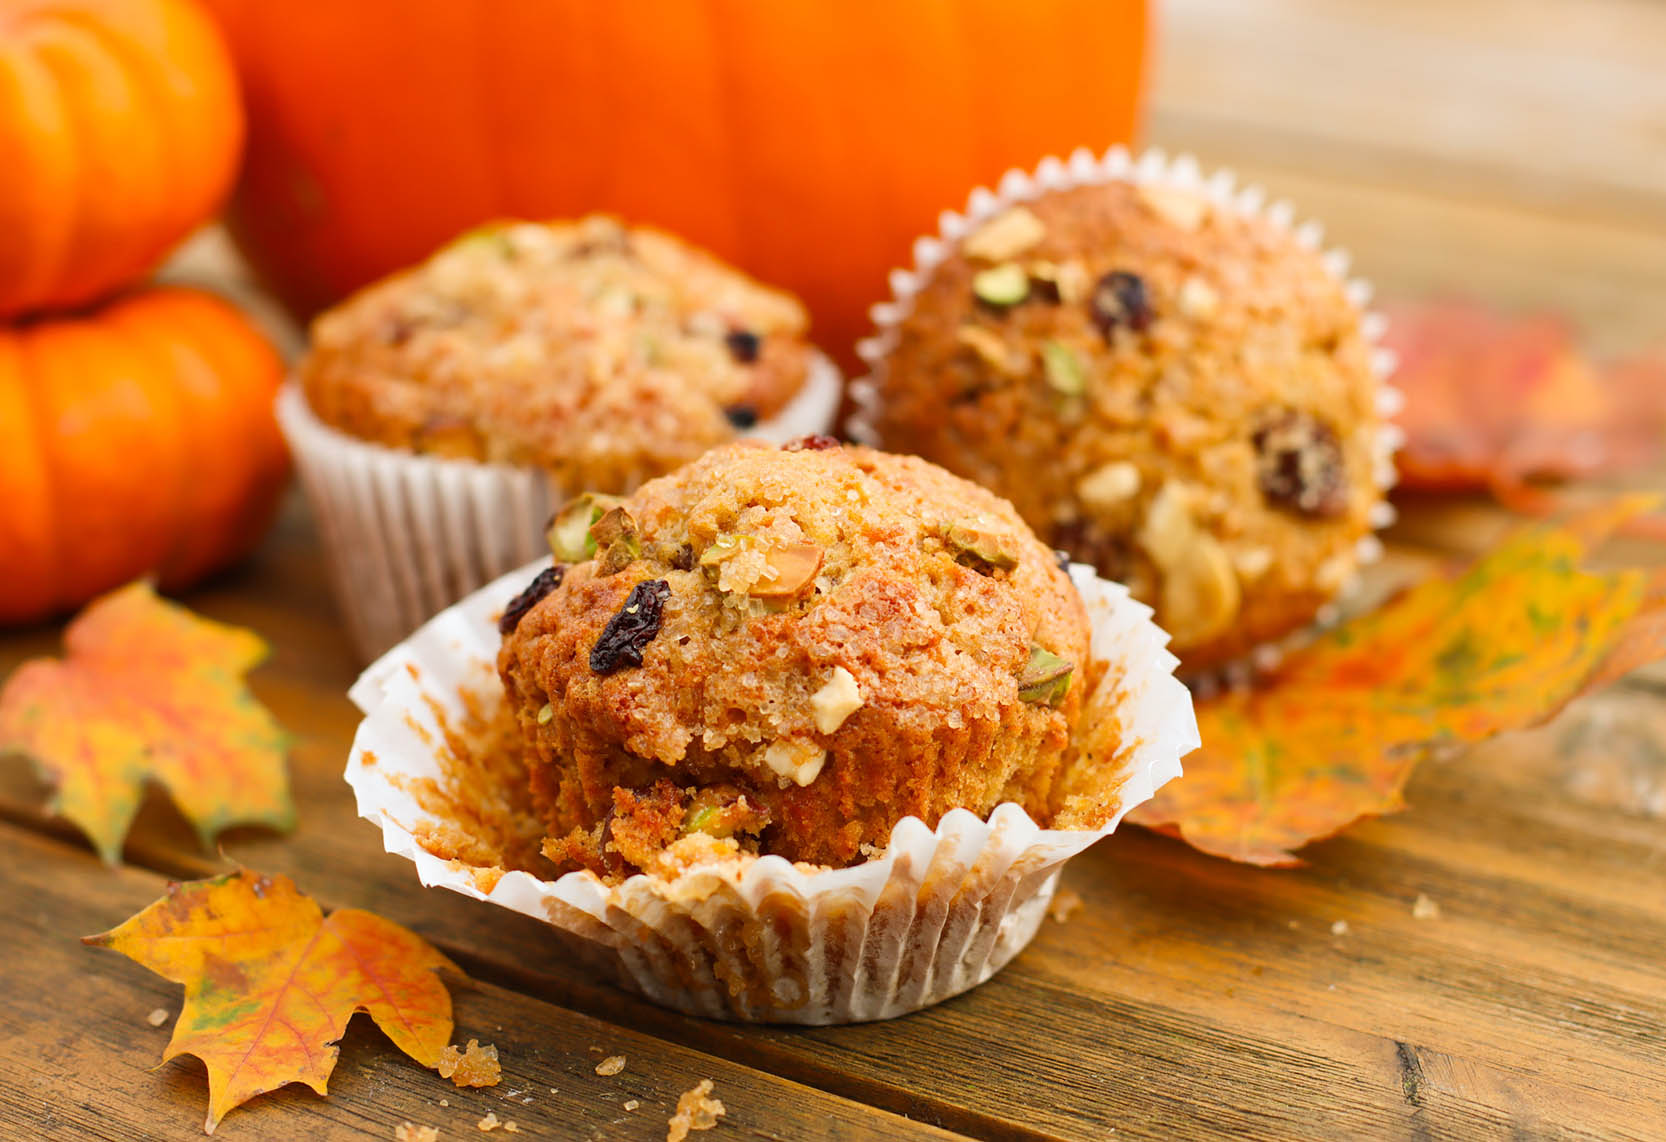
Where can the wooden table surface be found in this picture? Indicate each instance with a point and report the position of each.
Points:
(1511, 151)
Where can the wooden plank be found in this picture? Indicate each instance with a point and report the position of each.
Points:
(80, 1057)
(1181, 998)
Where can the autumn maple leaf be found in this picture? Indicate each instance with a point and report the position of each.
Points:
(149, 690)
(270, 982)
(1333, 734)
(1494, 402)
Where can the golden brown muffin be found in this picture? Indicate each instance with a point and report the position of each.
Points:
(604, 354)
(1177, 393)
(796, 647)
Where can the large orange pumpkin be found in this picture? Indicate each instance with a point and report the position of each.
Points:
(809, 141)
(120, 129)
(137, 439)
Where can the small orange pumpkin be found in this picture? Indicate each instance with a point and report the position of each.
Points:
(138, 439)
(120, 131)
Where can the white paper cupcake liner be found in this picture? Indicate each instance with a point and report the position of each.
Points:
(1151, 168)
(761, 939)
(406, 534)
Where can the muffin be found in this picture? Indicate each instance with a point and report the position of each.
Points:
(1172, 388)
(601, 354)
(787, 651)
(440, 415)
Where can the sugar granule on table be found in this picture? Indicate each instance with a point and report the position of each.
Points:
(411, 1132)
(158, 1017)
(631, 1104)
(473, 1066)
(1425, 909)
(696, 1110)
(1340, 928)
(611, 1065)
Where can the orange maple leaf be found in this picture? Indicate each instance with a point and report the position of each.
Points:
(1494, 403)
(270, 983)
(149, 690)
(1333, 734)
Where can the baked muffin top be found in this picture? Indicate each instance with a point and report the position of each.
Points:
(602, 353)
(1179, 393)
(796, 648)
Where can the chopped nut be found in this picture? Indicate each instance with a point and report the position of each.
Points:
(1180, 208)
(788, 570)
(977, 546)
(1425, 909)
(615, 540)
(568, 532)
(1004, 236)
(611, 1065)
(1299, 465)
(838, 698)
(797, 761)
(1001, 286)
(1063, 369)
(1252, 562)
(474, 1066)
(1120, 298)
(696, 1110)
(1197, 299)
(989, 347)
(411, 1132)
(1200, 592)
(546, 713)
(1108, 486)
(1045, 677)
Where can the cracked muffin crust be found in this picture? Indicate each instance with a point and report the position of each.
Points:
(605, 354)
(1176, 393)
(787, 651)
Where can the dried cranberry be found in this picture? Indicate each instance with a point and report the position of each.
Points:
(630, 631)
(741, 415)
(1299, 466)
(816, 443)
(546, 581)
(1119, 298)
(743, 345)
(1045, 289)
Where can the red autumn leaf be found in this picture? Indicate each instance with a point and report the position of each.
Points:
(1333, 734)
(149, 690)
(1495, 402)
(270, 982)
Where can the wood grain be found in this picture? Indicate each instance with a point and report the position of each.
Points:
(80, 1058)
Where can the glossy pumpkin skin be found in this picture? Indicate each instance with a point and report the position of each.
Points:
(808, 141)
(135, 440)
(120, 131)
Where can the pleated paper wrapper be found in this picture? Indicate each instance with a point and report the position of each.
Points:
(406, 534)
(761, 939)
(1156, 169)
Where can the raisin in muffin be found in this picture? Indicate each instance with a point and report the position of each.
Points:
(602, 354)
(1174, 391)
(787, 651)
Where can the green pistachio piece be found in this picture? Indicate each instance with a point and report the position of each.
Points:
(615, 540)
(979, 547)
(545, 713)
(1045, 677)
(1063, 369)
(493, 234)
(1004, 285)
(568, 532)
(724, 547)
(699, 818)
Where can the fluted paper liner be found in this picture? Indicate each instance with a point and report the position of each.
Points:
(1151, 168)
(759, 938)
(406, 534)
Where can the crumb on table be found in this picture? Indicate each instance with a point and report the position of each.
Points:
(158, 1017)
(411, 1132)
(611, 1065)
(1064, 905)
(696, 1110)
(473, 1066)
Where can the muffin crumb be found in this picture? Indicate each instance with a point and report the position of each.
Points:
(696, 1110)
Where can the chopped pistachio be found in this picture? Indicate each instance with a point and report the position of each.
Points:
(615, 539)
(1004, 285)
(568, 532)
(791, 569)
(797, 761)
(723, 547)
(1063, 369)
(545, 713)
(1197, 299)
(699, 818)
(987, 345)
(1004, 236)
(1183, 209)
(978, 546)
(838, 698)
(1045, 677)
